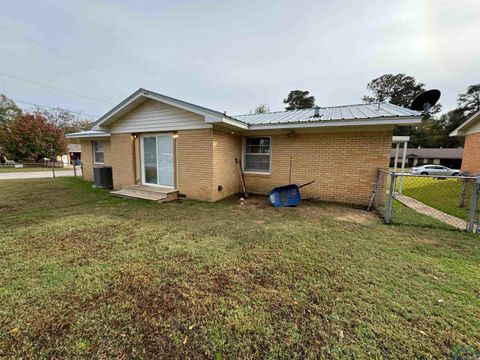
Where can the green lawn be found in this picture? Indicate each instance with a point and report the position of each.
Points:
(85, 275)
(443, 195)
(7, 169)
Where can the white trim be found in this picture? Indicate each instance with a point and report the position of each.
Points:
(257, 173)
(169, 129)
(459, 131)
(207, 113)
(399, 139)
(331, 123)
(87, 135)
(142, 160)
(231, 122)
(244, 145)
(115, 110)
(95, 152)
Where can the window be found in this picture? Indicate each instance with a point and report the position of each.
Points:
(98, 152)
(257, 154)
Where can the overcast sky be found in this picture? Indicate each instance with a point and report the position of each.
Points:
(232, 55)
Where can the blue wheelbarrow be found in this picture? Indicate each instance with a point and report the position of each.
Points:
(287, 195)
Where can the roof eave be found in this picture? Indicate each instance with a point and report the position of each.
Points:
(228, 121)
(459, 131)
(86, 136)
(332, 123)
(111, 115)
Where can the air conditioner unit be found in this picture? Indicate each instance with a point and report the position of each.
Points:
(102, 177)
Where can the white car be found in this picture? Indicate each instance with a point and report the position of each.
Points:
(437, 170)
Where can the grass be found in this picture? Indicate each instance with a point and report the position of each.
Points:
(85, 275)
(443, 195)
(7, 169)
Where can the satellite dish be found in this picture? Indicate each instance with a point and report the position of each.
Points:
(425, 100)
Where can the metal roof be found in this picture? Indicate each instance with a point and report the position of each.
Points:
(346, 115)
(433, 153)
(344, 112)
(88, 133)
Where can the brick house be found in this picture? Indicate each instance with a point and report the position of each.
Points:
(450, 157)
(471, 149)
(154, 140)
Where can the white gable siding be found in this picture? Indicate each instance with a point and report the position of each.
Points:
(156, 116)
(474, 129)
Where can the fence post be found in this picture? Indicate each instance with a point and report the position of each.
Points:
(462, 192)
(391, 193)
(404, 158)
(472, 211)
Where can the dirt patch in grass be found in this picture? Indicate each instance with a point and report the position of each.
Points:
(357, 216)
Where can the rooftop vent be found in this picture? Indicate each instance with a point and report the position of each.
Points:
(316, 111)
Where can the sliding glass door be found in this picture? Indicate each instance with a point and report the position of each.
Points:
(157, 160)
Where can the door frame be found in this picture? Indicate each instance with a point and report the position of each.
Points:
(142, 162)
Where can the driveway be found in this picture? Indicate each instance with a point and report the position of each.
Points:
(37, 174)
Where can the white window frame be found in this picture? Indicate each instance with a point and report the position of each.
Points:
(142, 160)
(95, 162)
(244, 155)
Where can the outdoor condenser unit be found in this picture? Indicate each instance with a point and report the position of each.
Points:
(102, 177)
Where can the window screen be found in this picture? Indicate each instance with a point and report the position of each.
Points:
(257, 154)
(98, 152)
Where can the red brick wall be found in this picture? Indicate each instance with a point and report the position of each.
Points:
(471, 154)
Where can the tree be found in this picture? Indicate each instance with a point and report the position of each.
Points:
(429, 133)
(260, 109)
(449, 122)
(298, 99)
(401, 89)
(469, 102)
(8, 110)
(32, 136)
(398, 89)
(64, 119)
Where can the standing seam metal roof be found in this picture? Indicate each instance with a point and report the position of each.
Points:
(344, 112)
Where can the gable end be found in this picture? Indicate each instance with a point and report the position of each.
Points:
(153, 115)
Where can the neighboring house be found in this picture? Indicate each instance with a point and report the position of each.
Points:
(451, 158)
(471, 153)
(74, 153)
(153, 139)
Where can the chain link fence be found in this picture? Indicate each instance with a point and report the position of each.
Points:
(434, 201)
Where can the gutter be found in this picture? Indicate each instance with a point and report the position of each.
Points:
(333, 123)
(80, 135)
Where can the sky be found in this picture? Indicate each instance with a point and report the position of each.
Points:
(87, 56)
